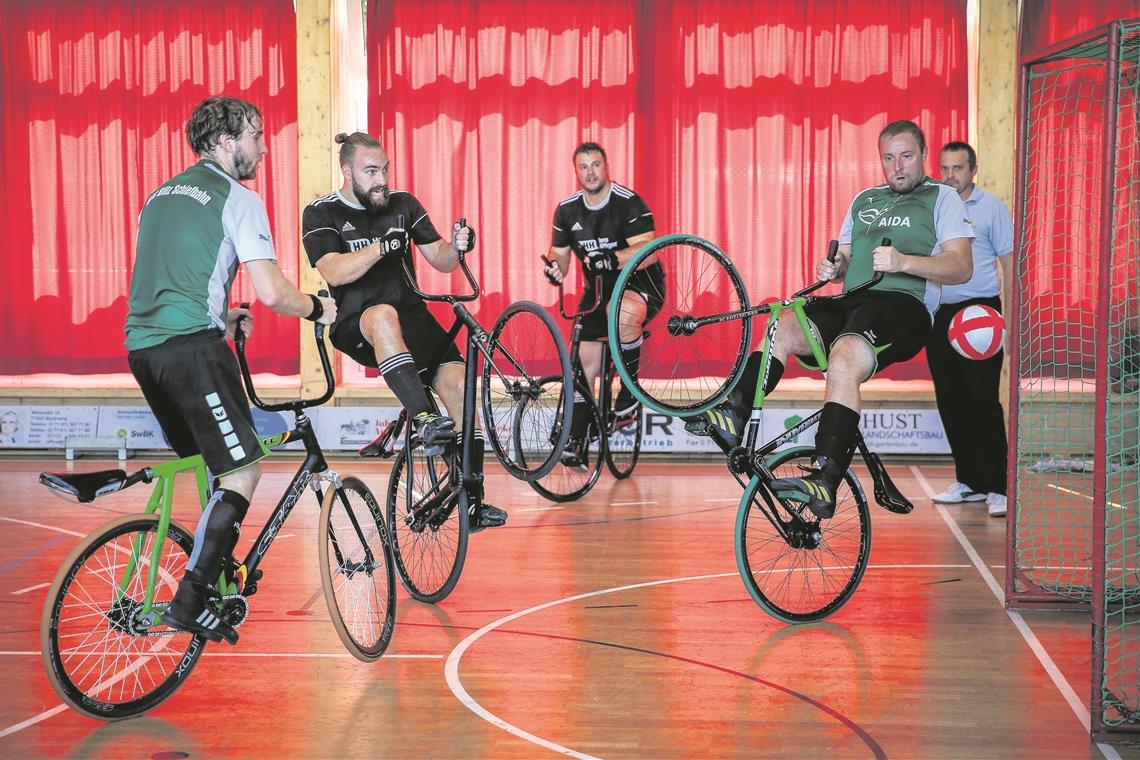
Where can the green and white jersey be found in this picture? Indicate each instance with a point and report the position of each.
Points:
(918, 224)
(193, 232)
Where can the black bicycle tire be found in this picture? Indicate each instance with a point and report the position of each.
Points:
(502, 449)
(61, 680)
(456, 557)
(629, 460)
(547, 485)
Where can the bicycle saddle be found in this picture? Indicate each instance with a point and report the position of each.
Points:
(85, 486)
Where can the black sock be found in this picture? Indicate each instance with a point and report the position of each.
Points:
(835, 439)
(745, 390)
(217, 534)
(631, 358)
(403, 378)
(475, 477)
(580, 417)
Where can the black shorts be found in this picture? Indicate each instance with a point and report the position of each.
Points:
(193, 386)
(422, 333)
(895, 324)
(649, 282)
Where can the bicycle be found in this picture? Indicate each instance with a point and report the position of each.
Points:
(526, 418)
(796, 567)
(619, 447)
(104, 646)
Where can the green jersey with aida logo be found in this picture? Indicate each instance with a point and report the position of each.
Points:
(193, 232)
(918, 223)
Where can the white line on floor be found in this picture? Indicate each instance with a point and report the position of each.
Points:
(30, 588)
(536, 509)
(300, 655)
(1067, 693)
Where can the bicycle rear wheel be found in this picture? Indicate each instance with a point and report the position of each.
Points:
(792, 575)
(623, 445)
(564, 483)
(427, 520)
(357, 578)
(105, 658)
(527, 421)
(684, 369)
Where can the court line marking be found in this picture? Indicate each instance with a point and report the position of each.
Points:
(537, 509)
(451, 667)
(30, 588)
(1066, 690)
(298, 655)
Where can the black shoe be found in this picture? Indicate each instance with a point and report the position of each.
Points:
(381, 446)
(189, 612)
(723, 421)
(813, 490)
(484, 515)
(434, 431)
(576, 454)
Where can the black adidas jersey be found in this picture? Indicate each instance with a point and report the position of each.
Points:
(622, 215)
(332, 225)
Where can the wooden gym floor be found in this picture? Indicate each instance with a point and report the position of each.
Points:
(613, 627)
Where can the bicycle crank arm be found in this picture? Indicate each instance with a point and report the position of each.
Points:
(887, 493)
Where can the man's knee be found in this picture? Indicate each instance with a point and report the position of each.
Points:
(380, 324)
(633, 311)
(243, 481)
(851, 358)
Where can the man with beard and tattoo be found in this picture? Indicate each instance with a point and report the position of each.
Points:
(353, 238)
(193, 233)
(930, 245)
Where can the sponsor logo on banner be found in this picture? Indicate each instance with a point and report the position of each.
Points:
(45, 426)
(886, 431)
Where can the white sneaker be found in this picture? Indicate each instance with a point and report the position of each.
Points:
(996, 504)
(958, 493)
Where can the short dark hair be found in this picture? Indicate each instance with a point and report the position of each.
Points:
(971, 156)
(350, 142)
(904, 127)
(214, 117)
(588, 147)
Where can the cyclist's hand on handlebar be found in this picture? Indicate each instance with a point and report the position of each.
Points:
(601, 261)
(552, 271)
(239, 315)
(826, 271)
(462, 237)
(887, 258)
(394, 242)
(329, 315)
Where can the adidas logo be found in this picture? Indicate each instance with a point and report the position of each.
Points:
(347, 226)
(576, 227)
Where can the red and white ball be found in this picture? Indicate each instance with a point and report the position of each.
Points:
(977, 331)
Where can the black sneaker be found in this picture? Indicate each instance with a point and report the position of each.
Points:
(724, 420)
(576, 454)
(484, 515)
(189, 612)
(626, 413)
(812, 490)
(434, 431)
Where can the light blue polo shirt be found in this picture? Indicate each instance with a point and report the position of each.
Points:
(993, 237)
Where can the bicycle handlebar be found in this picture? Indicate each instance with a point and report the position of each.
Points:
(591, 310)
(450, 298)
(247, 379)
(832, 251)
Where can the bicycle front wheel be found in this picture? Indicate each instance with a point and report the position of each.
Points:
(696, 346)
(568, 481)
(103, 655)
(799, 571)
(527, 421)
(357, 578)
(427, 523)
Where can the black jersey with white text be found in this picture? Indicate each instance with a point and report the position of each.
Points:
(334, 225)
(605, 227)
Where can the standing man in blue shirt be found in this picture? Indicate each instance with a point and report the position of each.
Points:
(967, 389)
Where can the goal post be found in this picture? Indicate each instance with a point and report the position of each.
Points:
(1073, 537)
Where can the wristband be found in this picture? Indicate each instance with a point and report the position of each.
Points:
(318, 309)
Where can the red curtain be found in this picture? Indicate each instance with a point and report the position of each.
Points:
(1047, 21)
(93, 106)
(748, 122)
